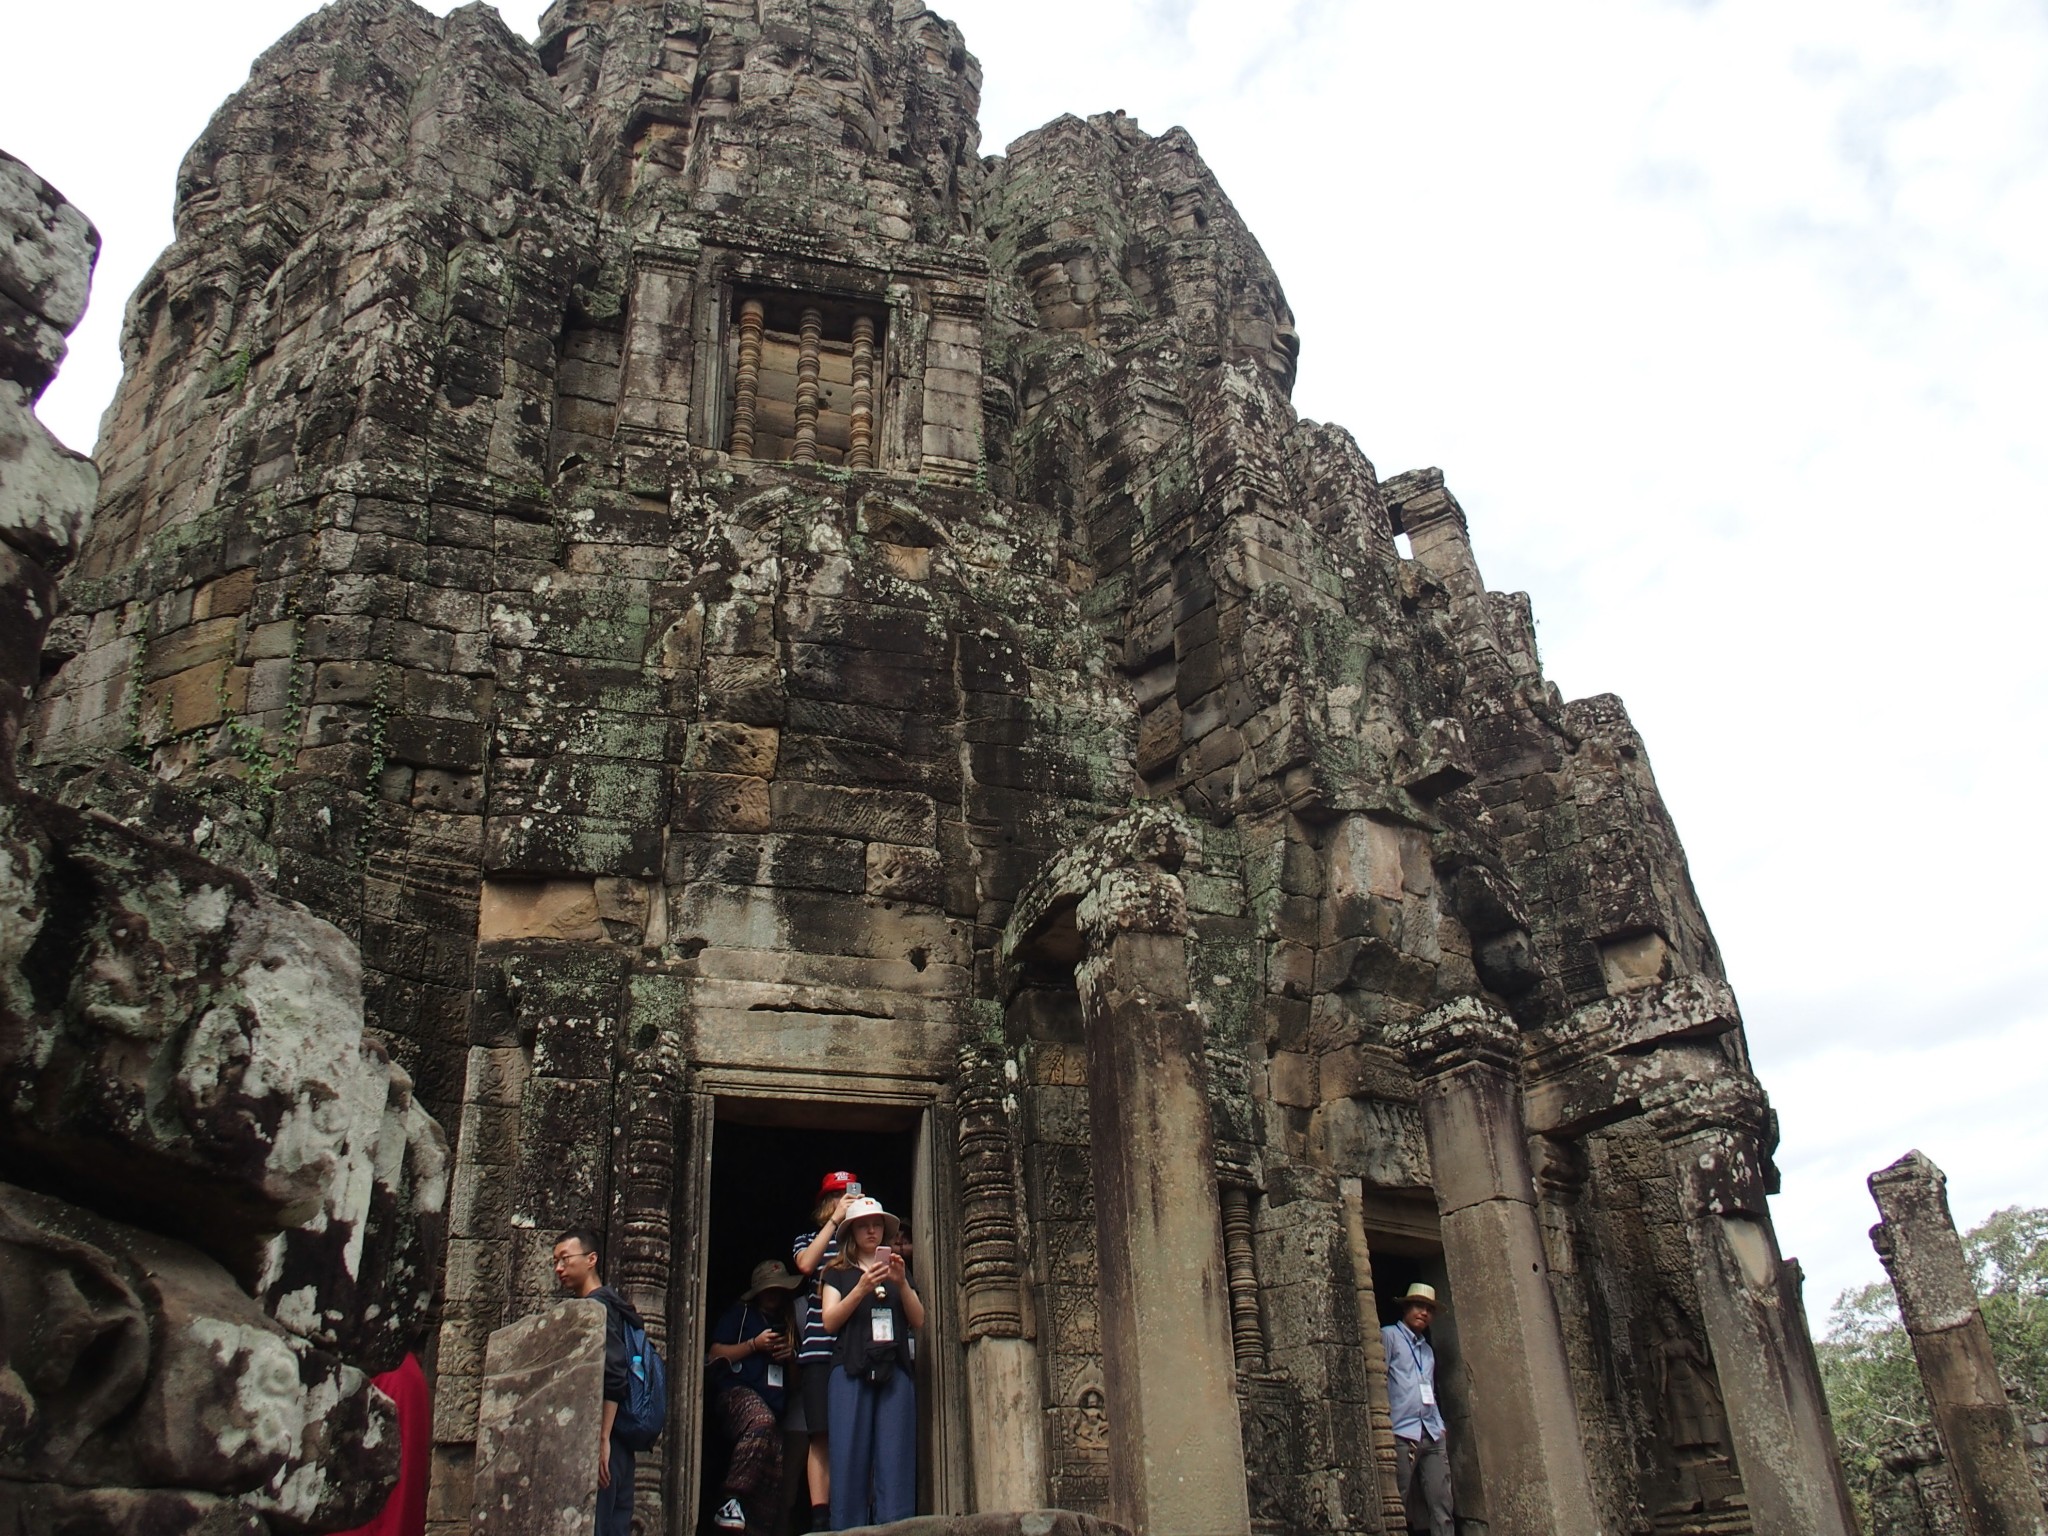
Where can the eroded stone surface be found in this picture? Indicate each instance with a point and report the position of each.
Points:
(538, 1423)
(221, 1209)
(713, 581)
(1981, 1439)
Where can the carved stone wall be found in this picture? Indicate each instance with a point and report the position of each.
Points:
(514, 540)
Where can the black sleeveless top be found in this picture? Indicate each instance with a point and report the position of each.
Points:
(856, 1350)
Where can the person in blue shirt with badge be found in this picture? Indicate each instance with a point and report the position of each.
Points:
(1420, 1468)
(751, 1358)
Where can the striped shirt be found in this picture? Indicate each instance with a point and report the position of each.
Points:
(817, 1343)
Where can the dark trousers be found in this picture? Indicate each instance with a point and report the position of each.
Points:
(1424, 1475)
(873, 1449)
(615, 1504)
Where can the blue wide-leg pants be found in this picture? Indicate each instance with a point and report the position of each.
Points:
(873, 1449)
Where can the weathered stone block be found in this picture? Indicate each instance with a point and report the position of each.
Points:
(709, 802)
(538, 1424)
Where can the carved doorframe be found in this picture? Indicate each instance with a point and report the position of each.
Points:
(943, 1481)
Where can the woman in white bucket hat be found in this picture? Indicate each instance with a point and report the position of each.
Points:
(870, 1305)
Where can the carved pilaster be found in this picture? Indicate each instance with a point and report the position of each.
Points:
(860, 452)
(1393, 1510)
(806, 449)
(1247, 1332)
(747, 378)
(1177, 1459)
(991, 1257)
(644, 1195)
(1716, 1126)
(1526, 1422)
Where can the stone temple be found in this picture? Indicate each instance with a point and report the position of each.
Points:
(783, 643)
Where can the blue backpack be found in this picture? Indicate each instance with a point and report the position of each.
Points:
(644, 1413)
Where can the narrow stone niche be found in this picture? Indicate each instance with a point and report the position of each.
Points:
(805, 371)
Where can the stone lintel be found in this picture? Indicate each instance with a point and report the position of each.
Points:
(1419, 500)
(1675, 1082)
(1681, 1107)
(1685, 1008)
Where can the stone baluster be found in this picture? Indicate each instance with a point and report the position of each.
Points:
(1176, 1462)
(1247, 1332)
(1524, 1414)
(747, 380)
(860, 451)
(1002, 1365)
(1713, 1127)
(806, 449)
(1981, 1438)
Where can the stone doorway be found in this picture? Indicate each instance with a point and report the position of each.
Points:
(764, 1181)
(749, 1185)
(1405, 1250)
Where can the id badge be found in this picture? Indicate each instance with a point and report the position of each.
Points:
(1428, 1395)
(884, 1325)
(774, 1373)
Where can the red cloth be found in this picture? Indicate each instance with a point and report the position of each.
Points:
(405, 1512)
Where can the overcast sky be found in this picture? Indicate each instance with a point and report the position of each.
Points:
(1727, 321)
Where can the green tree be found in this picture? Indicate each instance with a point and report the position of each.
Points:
(1866, 1360)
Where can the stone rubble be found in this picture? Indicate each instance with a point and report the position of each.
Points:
(220, 1206)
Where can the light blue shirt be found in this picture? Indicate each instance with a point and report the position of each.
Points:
(1411, 1363)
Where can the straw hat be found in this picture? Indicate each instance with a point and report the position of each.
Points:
(771, 1275)
(868, 1205)
(1419, 1295)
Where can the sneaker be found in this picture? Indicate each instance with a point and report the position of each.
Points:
(731, 1517)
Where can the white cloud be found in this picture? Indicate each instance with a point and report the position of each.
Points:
(1726, 321)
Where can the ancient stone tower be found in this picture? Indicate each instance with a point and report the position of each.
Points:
(792, 644)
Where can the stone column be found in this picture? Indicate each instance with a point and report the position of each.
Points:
(1176, 1452)
(860, 452)
(1713, 1123)
(1980, 1435)
(1532, 1458)
(1002, 1365)
(540, 1423)
(1393, 1512)
(1247, 1333)
(809, 331)
(747, 377)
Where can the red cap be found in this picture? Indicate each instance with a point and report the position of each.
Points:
(834, 1183)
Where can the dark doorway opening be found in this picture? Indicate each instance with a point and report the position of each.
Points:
(764, 1190)
(1400, 1259)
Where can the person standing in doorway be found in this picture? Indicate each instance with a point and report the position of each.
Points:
(576, 1271)
(751, 1359)
(1420, 1468)
(811, 1252)
(871, 1310)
